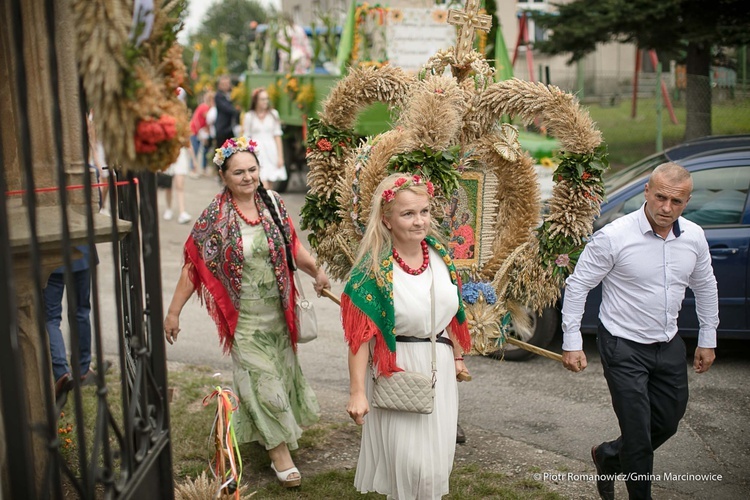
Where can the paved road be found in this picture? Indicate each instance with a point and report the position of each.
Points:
(536, 402)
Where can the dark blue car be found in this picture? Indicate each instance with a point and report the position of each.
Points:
(720, 167)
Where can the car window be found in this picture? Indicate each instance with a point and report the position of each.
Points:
(718, 198)
(625, 176)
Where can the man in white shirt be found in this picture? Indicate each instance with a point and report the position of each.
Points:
(645, 260)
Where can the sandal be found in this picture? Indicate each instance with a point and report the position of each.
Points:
(283, 477)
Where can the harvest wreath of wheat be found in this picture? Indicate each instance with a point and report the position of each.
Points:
(448, 128)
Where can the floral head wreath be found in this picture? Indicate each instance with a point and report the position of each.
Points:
(232, 146)
(405, 182)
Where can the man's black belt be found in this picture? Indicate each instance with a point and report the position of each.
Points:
(439, 338)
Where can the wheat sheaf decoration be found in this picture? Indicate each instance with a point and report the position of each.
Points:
(447, 128)
(131, 67)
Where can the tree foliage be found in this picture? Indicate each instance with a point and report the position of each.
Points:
(662, 25)
(692, 27)
(230, 20)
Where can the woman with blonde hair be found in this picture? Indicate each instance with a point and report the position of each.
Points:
(387, 316)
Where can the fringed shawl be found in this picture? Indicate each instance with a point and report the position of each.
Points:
(367, 311)
(215, 254)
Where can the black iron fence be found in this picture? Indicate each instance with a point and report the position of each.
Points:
(116, 443)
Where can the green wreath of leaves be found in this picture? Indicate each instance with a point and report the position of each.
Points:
(440, 167)
(316, 214)
(327, 139)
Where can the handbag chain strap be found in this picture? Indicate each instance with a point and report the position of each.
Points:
(433, 339)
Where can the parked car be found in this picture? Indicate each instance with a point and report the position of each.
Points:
(720, 167)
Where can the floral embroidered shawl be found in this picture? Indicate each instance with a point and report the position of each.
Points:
(367, 311)
(215, 254)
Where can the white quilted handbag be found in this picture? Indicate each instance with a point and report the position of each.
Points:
(307, 322)
(413, 392)
(404, 391)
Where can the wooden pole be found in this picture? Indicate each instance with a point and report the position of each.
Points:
(634, 103)
(664, 91)
(513, 341)
(659, 126)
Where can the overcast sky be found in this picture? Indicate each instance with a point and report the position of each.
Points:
(198, 8)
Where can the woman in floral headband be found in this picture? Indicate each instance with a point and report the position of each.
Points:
(239, 257)
(386, 312)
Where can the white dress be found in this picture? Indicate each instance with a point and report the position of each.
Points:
(410, 455)
(182, 165)
(264, 132)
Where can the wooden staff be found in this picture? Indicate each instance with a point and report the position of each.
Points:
(511, 340)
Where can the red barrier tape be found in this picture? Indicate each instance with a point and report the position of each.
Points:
(67, 188)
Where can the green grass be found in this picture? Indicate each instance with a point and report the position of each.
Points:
(191, 423)
(469, 482)
(630, 139)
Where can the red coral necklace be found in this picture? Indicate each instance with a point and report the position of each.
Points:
(243, 216)
(405, 266)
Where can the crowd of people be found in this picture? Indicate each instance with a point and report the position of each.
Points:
(243, 250)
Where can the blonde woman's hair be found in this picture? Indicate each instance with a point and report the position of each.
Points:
(376, 243)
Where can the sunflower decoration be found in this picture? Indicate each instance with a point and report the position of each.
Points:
(274, 92)
(395, 16)
(440, 16)
(131, 78)
(291, 86)
(305, 97)
(547, 162)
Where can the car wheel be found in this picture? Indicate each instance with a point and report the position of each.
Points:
(541, 330)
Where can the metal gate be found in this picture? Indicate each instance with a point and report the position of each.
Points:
(122, 444)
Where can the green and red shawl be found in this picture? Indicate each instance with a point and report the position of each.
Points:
(215, 254)
(367, 311)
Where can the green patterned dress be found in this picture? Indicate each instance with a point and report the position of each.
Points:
(275, 398)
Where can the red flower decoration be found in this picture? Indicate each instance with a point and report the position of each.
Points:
(430, 188)
(586, 176)
(168, 123)
(324, 145)
(389, 195)
(417, 179)
(144, 147)
(150, 132)
(399, 182)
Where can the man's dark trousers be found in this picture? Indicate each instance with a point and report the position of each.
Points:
(649, 389)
